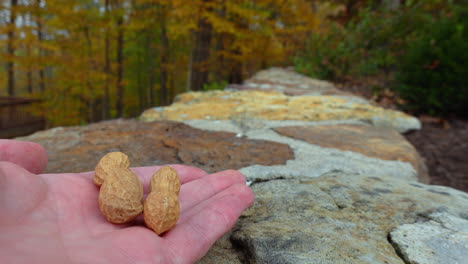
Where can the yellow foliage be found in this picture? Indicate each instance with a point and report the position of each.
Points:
(245, 35)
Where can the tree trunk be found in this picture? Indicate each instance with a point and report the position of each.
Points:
(91, 66)
(10, 66)
(40, 38)
(120, 46)
(201, 53)
(235, 72)
(105, 102)
(29, 75)
(351, 9)
(140, 79)
(220, 70)
(190, 62)
(149, 47)
(163, 100)
(235, 67)
(220, 48)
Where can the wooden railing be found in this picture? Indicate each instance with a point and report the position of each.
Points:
(15, 120)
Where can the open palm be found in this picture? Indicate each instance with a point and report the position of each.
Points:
(55, 218)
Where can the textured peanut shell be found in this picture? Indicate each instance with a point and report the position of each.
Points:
(165, 179)
(161, 211)
(110, 160)
(121, 195)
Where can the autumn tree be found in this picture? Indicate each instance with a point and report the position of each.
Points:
(92, 60)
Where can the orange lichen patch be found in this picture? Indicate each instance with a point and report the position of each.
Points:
(225, 105)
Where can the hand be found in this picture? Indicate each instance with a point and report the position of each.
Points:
(55, 218)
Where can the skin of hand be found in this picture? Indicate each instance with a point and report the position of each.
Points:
(55, 218)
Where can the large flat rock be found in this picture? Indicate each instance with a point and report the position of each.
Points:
(370, 141)
(313, 160)
(289, 82)
(77, 149)
(337, 218)
(259, 105)
(337, 133)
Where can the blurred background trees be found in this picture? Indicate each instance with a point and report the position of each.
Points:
(98, 59)
(415, 49)
(91, 60)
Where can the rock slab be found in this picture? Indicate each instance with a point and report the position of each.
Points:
(78, 149)
(310, 160)
(259, 105)
(337, 218)
(289, 82)
(370, 141)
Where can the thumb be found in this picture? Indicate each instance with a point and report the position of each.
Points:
(28, 155)
(20, 192)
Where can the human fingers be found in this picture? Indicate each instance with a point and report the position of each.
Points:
(28, 155)
(186, 173)
(196, 191)
(202, 188)
(214, 217)
(21, 191)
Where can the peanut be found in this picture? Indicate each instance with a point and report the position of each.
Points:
(110, 160)
(161, 207)
(121, 193)
(166, 178)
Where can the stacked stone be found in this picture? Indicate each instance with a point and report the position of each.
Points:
(334, 180)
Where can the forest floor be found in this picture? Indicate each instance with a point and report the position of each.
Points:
(443, 143)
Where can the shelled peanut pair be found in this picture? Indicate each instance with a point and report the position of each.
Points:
(121, 194)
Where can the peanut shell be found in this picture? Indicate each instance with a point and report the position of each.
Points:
(161, 211)
(120, 196)
(165, 179)
(161, 207)
(110, 160)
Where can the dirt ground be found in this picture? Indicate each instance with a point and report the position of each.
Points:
(444, 146)
(442, 143)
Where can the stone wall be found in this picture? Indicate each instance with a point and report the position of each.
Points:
(334, 180)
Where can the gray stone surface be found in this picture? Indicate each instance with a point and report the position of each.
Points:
(280, 79)
(336, 218)
(244, 125)
(400, 124)
(309, 160)
(441, 239)
(313, 161)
